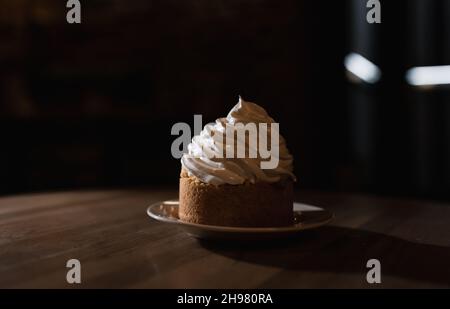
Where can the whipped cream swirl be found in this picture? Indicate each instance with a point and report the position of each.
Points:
(206, 159)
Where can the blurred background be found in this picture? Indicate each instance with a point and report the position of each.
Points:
(92, 105)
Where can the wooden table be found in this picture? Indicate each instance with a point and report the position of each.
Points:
(120, 247)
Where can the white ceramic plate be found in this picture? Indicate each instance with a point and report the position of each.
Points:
(306, 217)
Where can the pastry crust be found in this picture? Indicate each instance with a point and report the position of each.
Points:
(247, 205)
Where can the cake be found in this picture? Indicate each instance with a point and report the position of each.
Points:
(237, 191)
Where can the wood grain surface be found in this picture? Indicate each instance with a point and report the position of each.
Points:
(120, 247)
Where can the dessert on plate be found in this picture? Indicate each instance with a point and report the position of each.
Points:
(216, 189)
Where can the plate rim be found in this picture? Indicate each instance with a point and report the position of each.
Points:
(231, 229)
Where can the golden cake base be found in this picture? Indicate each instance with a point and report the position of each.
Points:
(247, 205)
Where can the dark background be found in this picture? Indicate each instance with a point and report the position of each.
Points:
(92, 105)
